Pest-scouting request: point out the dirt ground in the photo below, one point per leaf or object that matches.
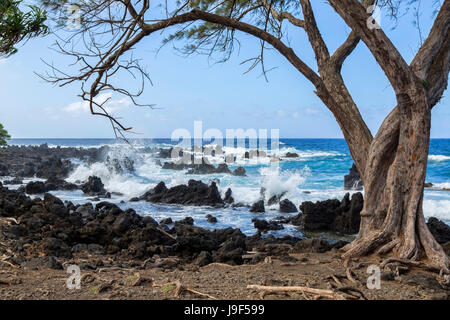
(214, 281)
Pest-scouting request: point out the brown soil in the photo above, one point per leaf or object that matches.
(217, 280)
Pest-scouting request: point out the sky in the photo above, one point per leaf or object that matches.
(186, 89)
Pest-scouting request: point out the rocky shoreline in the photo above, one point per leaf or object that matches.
(46, 232)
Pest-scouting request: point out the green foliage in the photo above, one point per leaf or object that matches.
(210, 38)
(3, 136)
(16, 25)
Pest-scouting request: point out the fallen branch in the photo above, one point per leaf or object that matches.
(166, 234)
(330, 294)
(220, 265)
(180, 289)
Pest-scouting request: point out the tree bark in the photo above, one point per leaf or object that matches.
(392, 220)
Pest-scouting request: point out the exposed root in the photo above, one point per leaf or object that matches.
(348, 271)
(114, 269)
(389, 246)
(180, 289)
(221, 265)
(416, 264)
(350, 290)
(141, 280)
(340, 293)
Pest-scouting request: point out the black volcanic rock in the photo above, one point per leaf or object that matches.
(239, 171)
(35, 187)
(291, 155)
(42, 161)
(331, 215)
(439, 229)
(311, 246)
(195, 193)
(54, 183)
(94, 187)
(352, 181)
(258, 207)
(263, 225)
(228, 198)
(286, 206)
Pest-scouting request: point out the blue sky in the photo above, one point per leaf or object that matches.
(186, 89)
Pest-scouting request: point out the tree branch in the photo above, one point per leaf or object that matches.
(432, 61)
(314, 36)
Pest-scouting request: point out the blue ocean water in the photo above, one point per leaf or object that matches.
(317, 174)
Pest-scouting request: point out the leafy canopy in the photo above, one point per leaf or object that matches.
(3, 136)
(16, 25)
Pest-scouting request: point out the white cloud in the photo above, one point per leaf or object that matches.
(281, 113)
(111, 106)
(311, 111)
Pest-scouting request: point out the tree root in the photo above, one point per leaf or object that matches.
(350, 290)
(329, 294)
(348, 271)
(180, 289)
(141, 280)
(339, 293)
(410, 263)
(221, 265)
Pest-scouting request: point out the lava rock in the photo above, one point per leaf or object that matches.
(291, 155)
(331, 215)
(258, 207)
(94, 187)
(352, 181)
(263, 225)
(35, 187)
(311, 246)
(228, 198)
(49, 262)
(425, 280)
(439, 229)
(240, 172)
(286, 206)
(195, 193)
(203, 259)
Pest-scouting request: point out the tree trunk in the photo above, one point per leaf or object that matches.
(392, 220)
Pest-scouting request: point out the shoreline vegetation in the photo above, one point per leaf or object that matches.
(123, 255)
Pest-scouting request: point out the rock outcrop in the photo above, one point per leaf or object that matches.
(331, 215)
(352, 181)
(195, 193)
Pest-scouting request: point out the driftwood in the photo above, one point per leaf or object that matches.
(166, 234)
(329, 294)
(179, 289)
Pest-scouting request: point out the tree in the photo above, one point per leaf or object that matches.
(392, 164)
(16, 25)
(3, 136)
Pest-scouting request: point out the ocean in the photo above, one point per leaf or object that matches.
(317, 174)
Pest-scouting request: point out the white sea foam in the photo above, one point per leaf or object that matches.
(442, 185)
(437, 208)
(438, 157)
(277, 182)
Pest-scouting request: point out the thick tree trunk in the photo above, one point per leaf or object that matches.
(392, 220)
